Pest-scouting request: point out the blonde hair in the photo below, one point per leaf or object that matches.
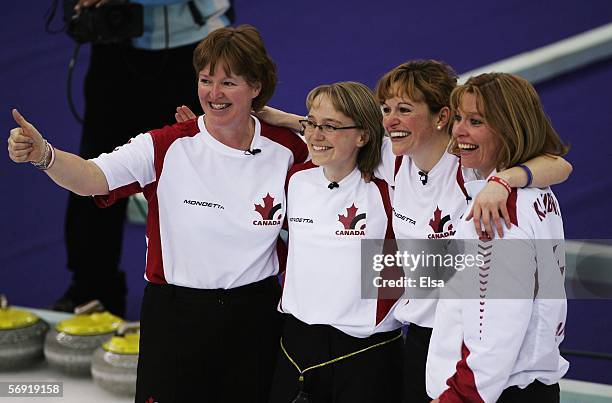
(241, 51)
(511, 108)
(357, 102)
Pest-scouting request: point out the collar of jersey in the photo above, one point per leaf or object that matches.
(221, 148)
(346, 182)
(446, 158)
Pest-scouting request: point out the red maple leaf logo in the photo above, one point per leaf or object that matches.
(437, 222)
(268, 208)
(347, 219)
(351, 218)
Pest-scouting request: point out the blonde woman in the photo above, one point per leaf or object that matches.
(498, 327)
(337, 346)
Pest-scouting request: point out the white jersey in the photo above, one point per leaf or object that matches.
(424, 207)
(215, 212)
(507, 330)
(323, 279)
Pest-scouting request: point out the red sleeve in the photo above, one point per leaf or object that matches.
(288, 139)
(462, 385)
(162, 139)
(111, 198)
(387, 296)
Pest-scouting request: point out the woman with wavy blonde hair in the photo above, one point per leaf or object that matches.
(497, 339)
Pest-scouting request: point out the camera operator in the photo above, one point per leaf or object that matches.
(130, 87)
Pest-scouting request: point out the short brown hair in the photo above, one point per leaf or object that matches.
(357, 102)
(241, 51)
(511, 107)
(429, 81)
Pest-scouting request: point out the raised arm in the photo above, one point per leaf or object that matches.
(26, 144)
(276, 117)
(490, 204)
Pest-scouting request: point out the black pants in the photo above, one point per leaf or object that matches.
(213, 346)
(415, 358)
(370, 377)
(536, 392)
(127, 91)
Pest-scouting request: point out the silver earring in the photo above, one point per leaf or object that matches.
(439, 127)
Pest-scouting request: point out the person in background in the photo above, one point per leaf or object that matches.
(216, 197)
(130, 88)
(498, 340)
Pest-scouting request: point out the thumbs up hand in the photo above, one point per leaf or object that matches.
(25, 143)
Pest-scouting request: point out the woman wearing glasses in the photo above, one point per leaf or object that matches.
(337, 346)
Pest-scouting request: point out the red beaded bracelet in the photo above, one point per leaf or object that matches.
(502, 182)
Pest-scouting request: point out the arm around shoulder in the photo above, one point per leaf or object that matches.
(546, 170)
(277, 117)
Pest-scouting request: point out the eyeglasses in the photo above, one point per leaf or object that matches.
(310, 126)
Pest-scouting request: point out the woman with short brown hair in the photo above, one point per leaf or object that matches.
(212, 258)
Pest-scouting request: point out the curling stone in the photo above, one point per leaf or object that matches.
(21, 337)
(70, 345)
(113, 366)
